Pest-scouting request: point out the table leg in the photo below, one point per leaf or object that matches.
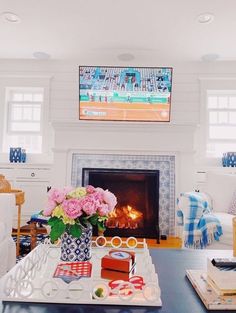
(33, 235)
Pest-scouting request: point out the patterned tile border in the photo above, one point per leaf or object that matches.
(164, 163)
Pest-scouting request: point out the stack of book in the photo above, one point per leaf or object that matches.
(118, 264)
(221, 275)
(217, 286)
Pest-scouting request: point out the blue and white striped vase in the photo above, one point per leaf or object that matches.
(77, 249)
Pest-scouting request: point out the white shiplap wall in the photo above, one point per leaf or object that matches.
(71, 134)
(64, 87)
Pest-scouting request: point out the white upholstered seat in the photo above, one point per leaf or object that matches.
(7, 245)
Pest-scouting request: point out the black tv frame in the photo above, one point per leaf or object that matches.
(123, 67)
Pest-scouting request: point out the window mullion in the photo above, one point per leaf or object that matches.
(23, 106)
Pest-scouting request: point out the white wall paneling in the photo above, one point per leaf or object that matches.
(70, 134)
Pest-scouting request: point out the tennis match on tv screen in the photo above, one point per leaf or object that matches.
(125, 93)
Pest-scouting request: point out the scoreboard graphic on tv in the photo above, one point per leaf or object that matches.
(125, 93)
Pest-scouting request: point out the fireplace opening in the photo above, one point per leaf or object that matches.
(137, 191)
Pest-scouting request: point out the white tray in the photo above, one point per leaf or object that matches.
(31, 280)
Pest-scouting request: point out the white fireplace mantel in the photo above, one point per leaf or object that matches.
(120, 138)
(122, 126)
(124, 136)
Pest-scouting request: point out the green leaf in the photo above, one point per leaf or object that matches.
(94, 219)
(75, 230)
(53, 220)
(84, 220)
(102, 218)
(101, 226)
(57, 229)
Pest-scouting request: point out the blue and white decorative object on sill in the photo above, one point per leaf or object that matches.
(229, 159)
(23, 155)
(15, 154)
(77, 249)
(224, 160)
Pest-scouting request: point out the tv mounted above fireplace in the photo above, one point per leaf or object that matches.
(109, 93)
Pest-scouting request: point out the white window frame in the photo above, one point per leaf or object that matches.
(210, 85)
(23, 82)
(10, 102)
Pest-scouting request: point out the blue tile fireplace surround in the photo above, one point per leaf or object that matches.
(165, 164)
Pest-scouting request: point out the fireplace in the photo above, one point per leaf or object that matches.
(165, 164)
(137, 191)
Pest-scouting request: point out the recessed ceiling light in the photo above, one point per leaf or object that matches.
(40, 55)
(11, 17)
(211, 57)
(125, 57)
(205, 18)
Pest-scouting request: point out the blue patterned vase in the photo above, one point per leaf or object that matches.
(77, 249)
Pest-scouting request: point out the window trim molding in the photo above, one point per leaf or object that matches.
(24, 81)
(206, 84)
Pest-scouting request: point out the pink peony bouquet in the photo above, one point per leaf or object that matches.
(72, 209)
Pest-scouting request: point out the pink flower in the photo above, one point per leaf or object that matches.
(72, 208)
(56, 195)
(99, 194)
(91, 200)
(103, 210)
(50, 207)
(89, 204)
(110, 199)
(90, 189)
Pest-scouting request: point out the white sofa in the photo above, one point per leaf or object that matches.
(7, 245)
(219, 190)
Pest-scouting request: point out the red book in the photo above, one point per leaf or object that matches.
(119, 260)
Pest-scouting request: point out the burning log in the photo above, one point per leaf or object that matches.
(124, 217)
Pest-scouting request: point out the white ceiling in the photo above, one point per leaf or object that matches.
(154, 31)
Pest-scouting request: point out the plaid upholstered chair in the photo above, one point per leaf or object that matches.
(219, 192)
(200, 227)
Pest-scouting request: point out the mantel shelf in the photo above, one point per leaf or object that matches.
(122, 126)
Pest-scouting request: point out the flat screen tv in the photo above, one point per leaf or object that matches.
(108, 93)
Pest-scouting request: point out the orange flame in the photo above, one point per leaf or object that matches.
(124, 217)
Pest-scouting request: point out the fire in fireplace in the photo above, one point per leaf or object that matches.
(125, 217)
(137, 191)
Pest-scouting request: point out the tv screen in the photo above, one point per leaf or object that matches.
(125, 93)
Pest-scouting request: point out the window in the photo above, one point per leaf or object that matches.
(23, 124)
(25, 116)
(220, 122)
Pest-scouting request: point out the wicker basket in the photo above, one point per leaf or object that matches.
(20, 196)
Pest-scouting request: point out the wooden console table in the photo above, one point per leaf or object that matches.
(20, 199)
(34, 231)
